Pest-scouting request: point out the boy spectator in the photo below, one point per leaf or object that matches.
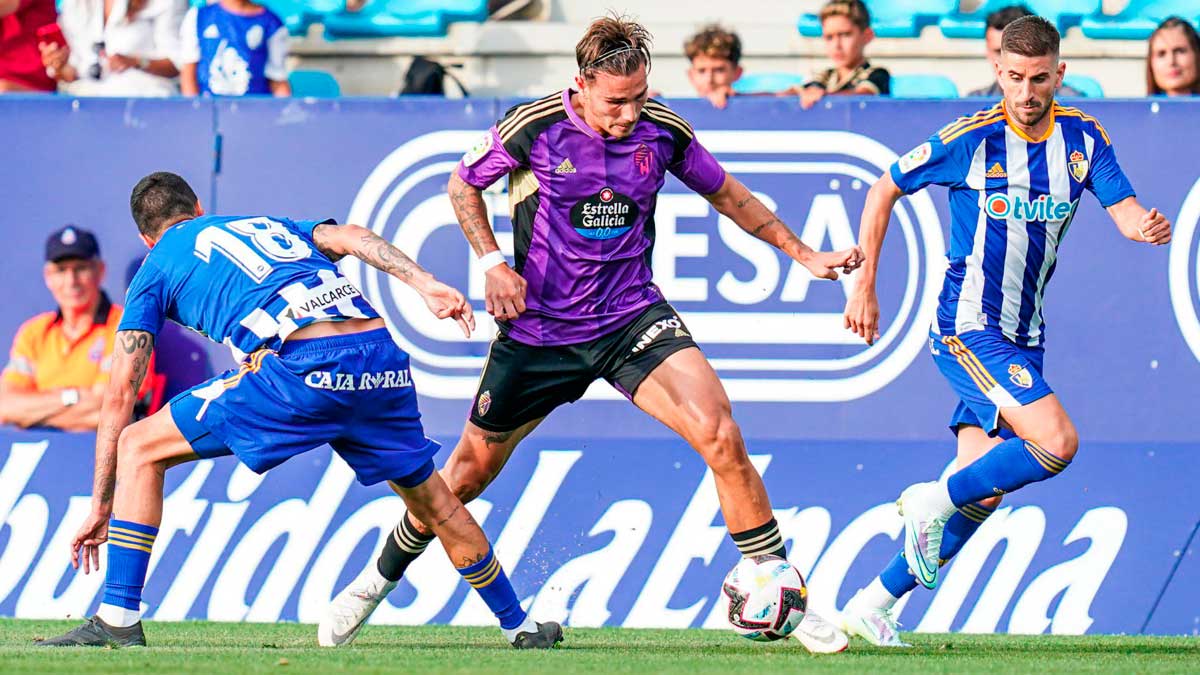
(846, 31)
(60, 360)
(21, 67)
(996, 22)
(233, 48)
(714, 54)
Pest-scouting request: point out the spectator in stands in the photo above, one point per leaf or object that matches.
(59, 360)
(996, 22)
(1173, 60)
(714, 54)
(233, 48)
(20, 62)
(846, 30)
(117, 48)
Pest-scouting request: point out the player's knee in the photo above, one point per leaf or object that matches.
(134, 450)
(467, 477)
(720, 442)
(1062, 441)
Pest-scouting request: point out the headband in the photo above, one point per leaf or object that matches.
(609, 54)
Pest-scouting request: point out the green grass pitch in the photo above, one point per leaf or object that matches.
(198, 647)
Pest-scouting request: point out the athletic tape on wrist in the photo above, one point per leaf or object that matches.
(490, 260)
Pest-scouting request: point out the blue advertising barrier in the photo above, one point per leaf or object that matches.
(603, 517)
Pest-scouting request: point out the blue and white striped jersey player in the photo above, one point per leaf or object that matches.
(1016, 173)
(317, 366)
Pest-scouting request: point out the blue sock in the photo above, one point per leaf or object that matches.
(129, 547)
(1013, 464)
(897, 578)
(488, 579)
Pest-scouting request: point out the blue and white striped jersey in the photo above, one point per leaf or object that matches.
(1012, 199)
(246, 282)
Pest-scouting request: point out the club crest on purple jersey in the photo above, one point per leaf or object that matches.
(642, 158)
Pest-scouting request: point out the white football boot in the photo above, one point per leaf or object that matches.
(925, 511)
(350, 609)
(819, 636)
(874, 624)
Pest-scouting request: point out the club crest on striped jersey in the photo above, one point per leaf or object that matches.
(1019, 375)
(1078, 166)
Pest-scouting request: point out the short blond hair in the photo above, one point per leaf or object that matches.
(855, 10)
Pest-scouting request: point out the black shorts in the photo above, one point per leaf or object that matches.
(522, 383)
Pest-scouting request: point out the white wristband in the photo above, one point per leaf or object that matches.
(490, 260)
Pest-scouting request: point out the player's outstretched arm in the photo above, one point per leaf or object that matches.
(862, 307)
(444, 301)
(1138, 224)
(130, 361)
(736, 202)
(504, 289)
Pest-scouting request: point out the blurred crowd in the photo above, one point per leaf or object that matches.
(239, 47)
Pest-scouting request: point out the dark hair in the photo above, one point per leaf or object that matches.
(999, 19)
(159, 197)
(855, 10)
(714, 41)
(1152, 88)
(1030, 36)
(613, 44)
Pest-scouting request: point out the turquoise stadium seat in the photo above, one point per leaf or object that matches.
(404, 18)
(757, 83)
(1139, 19)
(891, 18)
(1063, 13)
(923, 86)
(313, 84)
(1086, 85)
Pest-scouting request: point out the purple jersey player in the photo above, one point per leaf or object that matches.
(585, 166)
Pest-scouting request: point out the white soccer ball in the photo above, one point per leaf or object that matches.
(767, 598)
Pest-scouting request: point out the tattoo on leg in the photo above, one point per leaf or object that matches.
(467, 560)
(450, 515)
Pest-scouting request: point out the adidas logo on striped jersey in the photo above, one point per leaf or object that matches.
(996, 171)
(566, 167)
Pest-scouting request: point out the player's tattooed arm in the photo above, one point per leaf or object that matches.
(471, 212)
(130, 361)
(736, 202)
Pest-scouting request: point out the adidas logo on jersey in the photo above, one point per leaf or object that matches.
(566, 167)
(996, 171)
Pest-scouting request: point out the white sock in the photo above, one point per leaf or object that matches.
(941, 499)
(118, 617)
(877, 595)
(529, 626)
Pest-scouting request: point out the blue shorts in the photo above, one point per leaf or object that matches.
(353, 392)
(988, 372)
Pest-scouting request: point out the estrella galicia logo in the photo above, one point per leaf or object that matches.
(605, 215)
(771, 331)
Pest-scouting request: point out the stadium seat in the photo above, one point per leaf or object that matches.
(923, 86)
(404, 18)
(1138, 20)
(1063, 13)
(1086, 85)
(757, 83)
(313, 84)
(891, 18)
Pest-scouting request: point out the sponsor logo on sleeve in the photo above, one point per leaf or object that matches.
(916, 157)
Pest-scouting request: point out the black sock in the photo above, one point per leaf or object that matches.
(762, 540)
(405, 545)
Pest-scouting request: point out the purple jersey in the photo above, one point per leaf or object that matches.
(582, 207)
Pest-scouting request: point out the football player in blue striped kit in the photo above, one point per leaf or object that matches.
(317, 366)
(1016, 172)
